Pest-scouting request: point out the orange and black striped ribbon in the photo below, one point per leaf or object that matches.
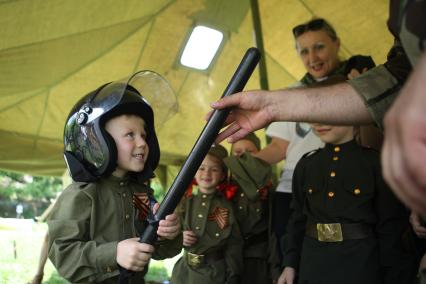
(141, 203)
(221, 216)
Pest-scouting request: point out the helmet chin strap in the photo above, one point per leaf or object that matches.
(76, 169)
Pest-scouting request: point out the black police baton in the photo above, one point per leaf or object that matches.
(197, 154)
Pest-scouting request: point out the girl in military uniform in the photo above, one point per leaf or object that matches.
(211, 237)
(346, 224)
(252, 202)
(111, 151)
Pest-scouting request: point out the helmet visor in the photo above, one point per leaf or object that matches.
(153, 87)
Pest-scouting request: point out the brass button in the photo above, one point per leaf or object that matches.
(127, 216)
(330, 194)
(335, 158)
(200, 215)
(337, 149)
(124, 195)
(241, 207)
(332, 174)
(357, 191)
(121, 183)
(217, 234)
(197, 228)
(257, 210)
(242, 194)
(310, 190)
(203, 204)
(204, 196)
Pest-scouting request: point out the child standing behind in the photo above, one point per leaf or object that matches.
(111, 151)
(211, 237)
(252, 203)
(346, 224)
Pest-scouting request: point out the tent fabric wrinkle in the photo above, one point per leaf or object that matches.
(53, 52)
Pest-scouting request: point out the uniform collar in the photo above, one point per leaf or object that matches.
(341, 148)
(116, 182)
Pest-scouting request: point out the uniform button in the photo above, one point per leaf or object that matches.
(242, 194)
(332, 174)
(330, 194)
(108, 269)
(257, 210)
(357, 191)
(197, 228)
(203, 204)
(204, 196)
(200, 215)
(335, 158)
(310, 190)
(127, 216)
(240, 207)
(217, 234)
(121, 183)
(124, 195)
(337, 149)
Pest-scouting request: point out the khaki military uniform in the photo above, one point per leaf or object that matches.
(86, 224)
(252, 204)
(216, 257)
(380, 87)
(346, 224)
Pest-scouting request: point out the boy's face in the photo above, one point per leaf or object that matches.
(128, 132)
(209, 174)
(242, 146)
(333, 134)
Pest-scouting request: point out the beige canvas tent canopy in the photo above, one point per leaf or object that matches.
(52, 52)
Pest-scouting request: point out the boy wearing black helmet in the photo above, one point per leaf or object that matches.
(111, 151)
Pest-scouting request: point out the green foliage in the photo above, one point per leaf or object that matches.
(14, 186)
(20, 256)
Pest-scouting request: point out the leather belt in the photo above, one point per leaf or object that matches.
(338, 232)
(198, 260)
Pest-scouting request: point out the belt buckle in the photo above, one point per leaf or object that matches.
(195, 260)
(330, 232)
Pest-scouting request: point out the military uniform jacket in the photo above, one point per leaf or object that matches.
(252, 203)
(86, 224)
(343, 184)
(380, 86)
(197, 217)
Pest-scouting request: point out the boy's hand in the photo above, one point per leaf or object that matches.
(168, 228)
(287, 276)
(133, 255)
(189, 238)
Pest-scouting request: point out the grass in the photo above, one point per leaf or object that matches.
(20, 244)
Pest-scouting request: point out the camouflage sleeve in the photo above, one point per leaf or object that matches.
(380, 86)
(75, 256)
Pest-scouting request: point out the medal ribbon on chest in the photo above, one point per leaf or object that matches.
(141, 203)
(220, 216)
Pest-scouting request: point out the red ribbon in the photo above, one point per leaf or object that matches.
(228, 189)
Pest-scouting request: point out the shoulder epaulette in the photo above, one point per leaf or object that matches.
(311, 153)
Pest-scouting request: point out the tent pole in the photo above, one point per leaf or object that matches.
(257, 25)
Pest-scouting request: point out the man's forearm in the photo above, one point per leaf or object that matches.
(336, 104)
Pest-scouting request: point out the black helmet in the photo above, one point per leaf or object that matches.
(90, 152)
